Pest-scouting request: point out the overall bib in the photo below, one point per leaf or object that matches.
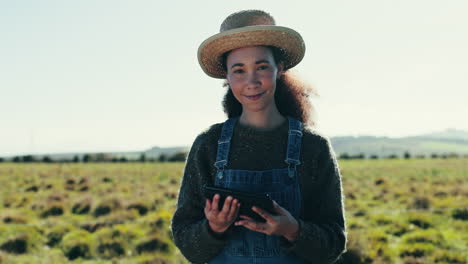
(282, 185)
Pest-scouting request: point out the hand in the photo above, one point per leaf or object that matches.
(283, 224)
(220, 221)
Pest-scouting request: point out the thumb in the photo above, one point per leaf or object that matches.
(280, 210)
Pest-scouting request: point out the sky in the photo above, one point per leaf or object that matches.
(108, 75)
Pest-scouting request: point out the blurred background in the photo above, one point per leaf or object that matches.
(101, 100)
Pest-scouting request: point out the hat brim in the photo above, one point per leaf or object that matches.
(212, 49)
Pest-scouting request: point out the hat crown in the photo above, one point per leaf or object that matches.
(247, 18)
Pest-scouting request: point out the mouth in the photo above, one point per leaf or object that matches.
(255, 97)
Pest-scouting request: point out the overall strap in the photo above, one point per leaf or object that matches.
(294, 145)
(224, 144)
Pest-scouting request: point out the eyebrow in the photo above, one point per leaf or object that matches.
(257, 62)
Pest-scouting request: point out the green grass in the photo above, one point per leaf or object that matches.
(401, 211)
(397, 211)
(88, 213)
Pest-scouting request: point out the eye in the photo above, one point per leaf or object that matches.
(238, 71)
(263, 67)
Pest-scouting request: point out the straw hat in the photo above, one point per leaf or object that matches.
(249, 28)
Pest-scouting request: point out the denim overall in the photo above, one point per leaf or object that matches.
(282, 185)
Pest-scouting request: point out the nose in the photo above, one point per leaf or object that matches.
(253, 81)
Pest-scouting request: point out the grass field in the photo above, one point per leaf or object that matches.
(398, 211)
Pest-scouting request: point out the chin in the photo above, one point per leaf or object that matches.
(256, 109)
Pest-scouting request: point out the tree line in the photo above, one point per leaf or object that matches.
(406, 155)
(182, 156)
(98, 157)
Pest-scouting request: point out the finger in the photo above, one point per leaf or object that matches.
(247, 217)
(240, 223)
(263, 214)
(279, 209)
(207, 210)
(252, 225)
(226, 206)
(215, 203)
(245, 221)
(234, 210)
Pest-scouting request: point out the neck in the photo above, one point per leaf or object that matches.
(262, 119)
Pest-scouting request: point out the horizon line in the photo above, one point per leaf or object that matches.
(44, 153)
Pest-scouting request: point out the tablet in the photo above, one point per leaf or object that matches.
(247, 200)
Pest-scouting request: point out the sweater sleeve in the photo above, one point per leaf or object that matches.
(322, 239)
(190, 229)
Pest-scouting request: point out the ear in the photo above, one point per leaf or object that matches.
(226, 84)
(281, 70)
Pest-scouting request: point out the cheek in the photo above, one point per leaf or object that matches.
(235, 86)
(269, 78)
(235, 89)
(270, 82)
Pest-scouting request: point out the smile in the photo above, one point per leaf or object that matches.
(254, 97)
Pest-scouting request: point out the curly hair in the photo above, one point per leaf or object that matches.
(292, 96)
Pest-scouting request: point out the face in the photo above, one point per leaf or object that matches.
(252, 74)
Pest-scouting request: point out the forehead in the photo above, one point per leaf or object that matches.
(252, 53)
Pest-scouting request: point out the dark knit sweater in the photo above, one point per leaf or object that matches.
(322, 236)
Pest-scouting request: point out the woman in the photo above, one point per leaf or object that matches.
(263, 147)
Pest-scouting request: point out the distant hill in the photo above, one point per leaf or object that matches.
(448, 141)
(155, 152)
(453, 134)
